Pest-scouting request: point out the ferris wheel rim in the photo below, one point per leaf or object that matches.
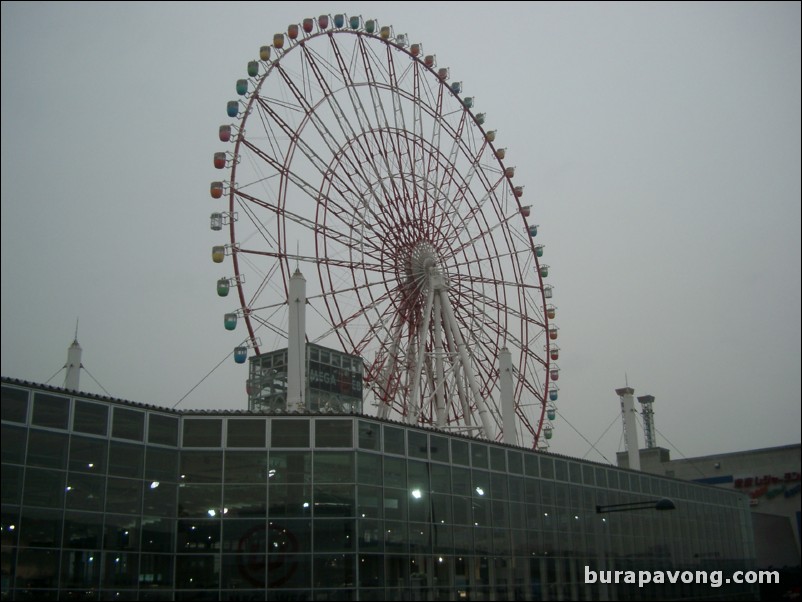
(283, 256)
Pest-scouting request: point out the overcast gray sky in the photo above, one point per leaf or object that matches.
(659, 143)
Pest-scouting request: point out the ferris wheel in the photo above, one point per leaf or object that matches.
(356, 159)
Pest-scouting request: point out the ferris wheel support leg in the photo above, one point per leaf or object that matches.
(414, 398)
(467, 417)
(487, 429)
(439, 383)
(384, 407)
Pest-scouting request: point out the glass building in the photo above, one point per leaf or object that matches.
(333, 381)
(110, 500)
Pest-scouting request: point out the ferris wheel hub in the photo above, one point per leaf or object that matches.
(423, 266)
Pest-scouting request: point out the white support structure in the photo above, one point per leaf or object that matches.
(73, 377)
(296, 343)
(440, 405)
(389, 370)
(507, 388)
(487, 430)
(630, 426)
(428, 357)
(417, 374)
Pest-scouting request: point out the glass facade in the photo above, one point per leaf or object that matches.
(111, 500)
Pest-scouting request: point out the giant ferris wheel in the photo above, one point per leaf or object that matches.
(356, 159)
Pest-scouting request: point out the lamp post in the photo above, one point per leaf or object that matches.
(658, 504)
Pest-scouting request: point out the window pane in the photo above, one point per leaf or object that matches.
(370, 503)
(163, 430)
(121, 532)
(498, 459)
(459, 452)
(418, 445)
(124, 496)
(83, 530)
(289, 433)
(395, 472)
(334, 467)
(155, 572)
(334, 433)
(88, 455)
(11, 489)
(44, 488)
(126, 460)
(86, 492)
(158, 535)
(289, 467)
(245, 536)
(51, 410)
(90, 418)
(334, 500)
(479, 455)
(441, 477)
(47, 449)
(40, 529)
(80, 569)
(37, 568)
(515, 462)
(369, 435)
(546, 467)
(161, 464)
(394, 440)
(245, 501)
(532, 465)
(14, 404)
(198, 536)
(245, 432)
(199, 432)
(291, 500)
(395, 504)
(13, 444)
(160, 499)
(438, 447)
(201, 467)
(369, 468)
(334, 535)
(122, 570)
(246, 467)
(199, 501)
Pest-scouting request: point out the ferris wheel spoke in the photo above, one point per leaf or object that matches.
(455, 202)
(398, 112)
(314, 260)
(331, 233)
(302, 184)
(448, 176)
(484, 280)
(471, 261)
(354, 161)
(362, 311)
(361, 114)
(360, 286)
(314, 158)
(258, 224)
(341, 116)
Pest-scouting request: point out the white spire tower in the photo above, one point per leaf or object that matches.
(73, 365)
(630, 426)
(296, 343)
